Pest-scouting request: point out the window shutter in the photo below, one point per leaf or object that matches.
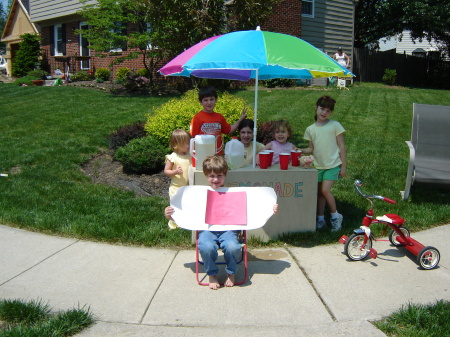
(63, 28)
(52, 40)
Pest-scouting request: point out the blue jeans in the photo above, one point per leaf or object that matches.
(208, 244)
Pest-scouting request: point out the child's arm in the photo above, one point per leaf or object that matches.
(268, 146)
(343, 154)
(236, 125)
(168, 211)
(170, 171)
(309, 149)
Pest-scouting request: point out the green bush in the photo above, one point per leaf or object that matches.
(141, 72)
(389, 77)
(177, 114)
(123, 73)
(102, 74)
(279, 82)
(39, 73)
(82, 75)
(27, 56)
(142, 156)
(27, 80)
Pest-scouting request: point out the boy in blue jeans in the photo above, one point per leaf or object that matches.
(215, 169)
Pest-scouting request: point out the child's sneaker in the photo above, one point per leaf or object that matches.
(336, 224)
(321, 224)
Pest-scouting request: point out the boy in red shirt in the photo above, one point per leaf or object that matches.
(208, 122)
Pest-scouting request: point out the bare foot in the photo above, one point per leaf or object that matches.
(230, 280)
(213, 282)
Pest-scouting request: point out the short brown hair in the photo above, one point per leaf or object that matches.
(178, 137)
(215, 164)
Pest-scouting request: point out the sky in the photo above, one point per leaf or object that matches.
(4, 3)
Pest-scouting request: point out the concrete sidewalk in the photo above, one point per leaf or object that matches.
(152, 292)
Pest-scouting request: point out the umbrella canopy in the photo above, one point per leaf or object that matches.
(254, 54)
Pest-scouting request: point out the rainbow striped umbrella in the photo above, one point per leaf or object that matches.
(254, 54)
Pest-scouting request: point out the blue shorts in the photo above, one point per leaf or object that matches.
(329, 174)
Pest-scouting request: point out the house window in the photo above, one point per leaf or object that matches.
(84, 48)
(59, 40)
(308, 8)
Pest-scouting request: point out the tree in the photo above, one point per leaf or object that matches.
(158, 28)
(248, 14)
(3, 17)
(426, 19)
(27, 56)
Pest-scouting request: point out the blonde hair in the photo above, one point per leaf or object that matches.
(177, 138)
(283, 125)
(215, 164)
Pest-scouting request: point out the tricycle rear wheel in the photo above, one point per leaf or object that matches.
(353, 247)
(428, 257)
(393, 234)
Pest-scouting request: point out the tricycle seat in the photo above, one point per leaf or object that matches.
(391, 218)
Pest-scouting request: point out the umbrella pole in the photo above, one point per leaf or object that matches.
(255, 119)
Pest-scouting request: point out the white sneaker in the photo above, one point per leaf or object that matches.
(321, 224)
(336, 224)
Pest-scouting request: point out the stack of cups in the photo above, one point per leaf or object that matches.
(295, 157)
(284, 160)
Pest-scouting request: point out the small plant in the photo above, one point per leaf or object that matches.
(141, 72)
(138, 84)
(82, 75)
(122, 136)
(102, 74)
(264, 132)
(25, 81)
(123, 73)
(279, 82)
(389, 77)
(39, 73)
(177, 114)
(142, 156)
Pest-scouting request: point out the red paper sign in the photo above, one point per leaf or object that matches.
(226, 208)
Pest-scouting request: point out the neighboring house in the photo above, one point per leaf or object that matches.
(324, 23)
(17, 24)
(405, 44)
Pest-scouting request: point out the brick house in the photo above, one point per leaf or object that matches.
(320, 22)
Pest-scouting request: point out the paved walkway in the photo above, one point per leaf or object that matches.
(152, 292)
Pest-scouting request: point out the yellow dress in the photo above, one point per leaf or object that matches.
(178, 180)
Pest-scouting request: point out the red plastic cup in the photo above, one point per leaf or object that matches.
(271, 156)
(295, 157)
(264, 158)
(284, 160)
(193, 160)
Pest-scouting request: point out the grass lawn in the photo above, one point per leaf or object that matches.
(47, 133)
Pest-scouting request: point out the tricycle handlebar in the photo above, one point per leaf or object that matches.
(358, 183)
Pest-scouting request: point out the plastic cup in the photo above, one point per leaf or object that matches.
(271, 156)
(284, 160)
(295, 157)
(264, 158)
(193, 159)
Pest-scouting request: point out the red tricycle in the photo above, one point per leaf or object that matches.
(359, 244)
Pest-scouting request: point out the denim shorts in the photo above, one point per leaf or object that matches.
(329, 174)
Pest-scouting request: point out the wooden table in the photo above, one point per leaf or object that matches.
(296, 190)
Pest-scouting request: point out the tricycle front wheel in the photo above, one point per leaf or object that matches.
(428, 257)
(393, 234)
(354, 247)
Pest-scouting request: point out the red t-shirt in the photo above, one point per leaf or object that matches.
(204, 123)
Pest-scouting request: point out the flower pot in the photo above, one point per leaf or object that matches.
(38, 82)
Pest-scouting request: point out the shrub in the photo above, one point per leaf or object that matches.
(138, 84)
(142, 156)
(39, 73)
(27, 56)
(141, 72)
(123, 73)
(389, 77)
(123, 135)
(102, 74)
(82, 75)
(27, 80)
(264, 133)
(279, 82)
(177, 114)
